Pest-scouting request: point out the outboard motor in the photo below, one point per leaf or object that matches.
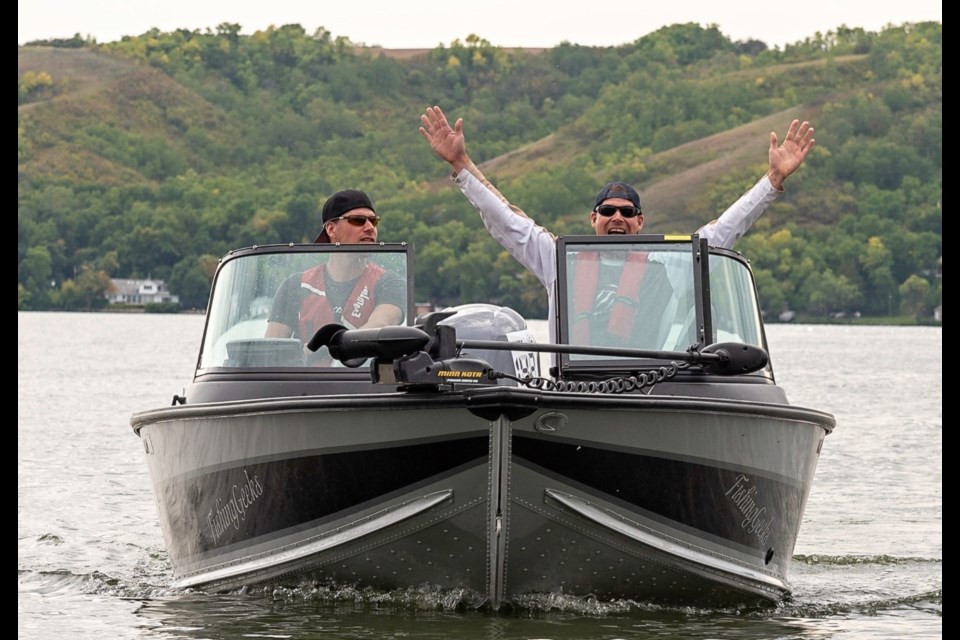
(490, 322)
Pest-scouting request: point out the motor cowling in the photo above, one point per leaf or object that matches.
(428, 355)
(490, 322)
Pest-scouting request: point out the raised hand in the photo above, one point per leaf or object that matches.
(446, 141)
(787, 157)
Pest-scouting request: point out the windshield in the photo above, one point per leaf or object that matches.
(642, 294)
(267, 302)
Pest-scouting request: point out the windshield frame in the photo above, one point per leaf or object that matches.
(229, 305)
(687, 267)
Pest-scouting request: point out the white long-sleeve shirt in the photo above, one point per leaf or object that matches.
(535, 248)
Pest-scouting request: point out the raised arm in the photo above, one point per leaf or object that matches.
(531, 245)
(787, 157)
(784, 159)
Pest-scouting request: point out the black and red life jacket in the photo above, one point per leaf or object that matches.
(315, 309)
(626, 300)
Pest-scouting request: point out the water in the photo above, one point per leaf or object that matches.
(91, 562)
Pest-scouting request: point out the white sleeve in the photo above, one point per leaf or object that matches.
(530, 244)
(737, 220)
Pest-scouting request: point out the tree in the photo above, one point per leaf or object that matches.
(35, 273)
(915, 297)
(877, 264)
(87, 290)
(190, 280)
(828, 293)
(769, 292)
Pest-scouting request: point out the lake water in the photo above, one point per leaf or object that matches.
(91, 562)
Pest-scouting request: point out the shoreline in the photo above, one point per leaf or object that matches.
(893, 321)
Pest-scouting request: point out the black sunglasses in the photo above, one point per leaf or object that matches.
(608, 210)
(359, 220)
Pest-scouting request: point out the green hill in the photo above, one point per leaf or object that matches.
(157, 154)
(97, 108)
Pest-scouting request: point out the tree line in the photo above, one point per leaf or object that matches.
(214, 140)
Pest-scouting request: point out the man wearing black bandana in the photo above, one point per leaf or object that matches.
(347, 290)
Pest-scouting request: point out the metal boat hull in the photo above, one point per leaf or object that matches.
(495, 490)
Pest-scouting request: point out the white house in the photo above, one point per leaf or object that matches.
(139, 292)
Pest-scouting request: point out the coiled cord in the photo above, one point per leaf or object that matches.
(623, 384)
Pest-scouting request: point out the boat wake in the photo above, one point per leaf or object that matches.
(826, 560)
(67, 583)
(427, 598)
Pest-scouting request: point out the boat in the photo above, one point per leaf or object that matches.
(661, 464)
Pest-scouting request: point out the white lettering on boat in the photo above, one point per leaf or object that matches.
(361, 300)
(743, 497)
(232, 511)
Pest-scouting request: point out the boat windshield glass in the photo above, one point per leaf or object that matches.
(267, 302)
(642, 292)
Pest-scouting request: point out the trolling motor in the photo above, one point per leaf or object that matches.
(428, 355)
(424, 356)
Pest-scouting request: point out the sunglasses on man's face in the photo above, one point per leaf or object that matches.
(358, 220)
(609, 210)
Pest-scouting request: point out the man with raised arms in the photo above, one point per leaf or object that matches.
(616, 209)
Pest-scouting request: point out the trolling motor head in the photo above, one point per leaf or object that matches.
(734, 358)
(353, 346)
(421, 357)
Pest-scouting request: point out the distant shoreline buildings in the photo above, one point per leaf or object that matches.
(140, 292)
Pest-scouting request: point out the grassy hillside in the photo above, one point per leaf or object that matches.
(100, 104)
(92, 86)
(158, 153)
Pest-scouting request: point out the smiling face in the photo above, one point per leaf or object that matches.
(344, 231)
(615, 224)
